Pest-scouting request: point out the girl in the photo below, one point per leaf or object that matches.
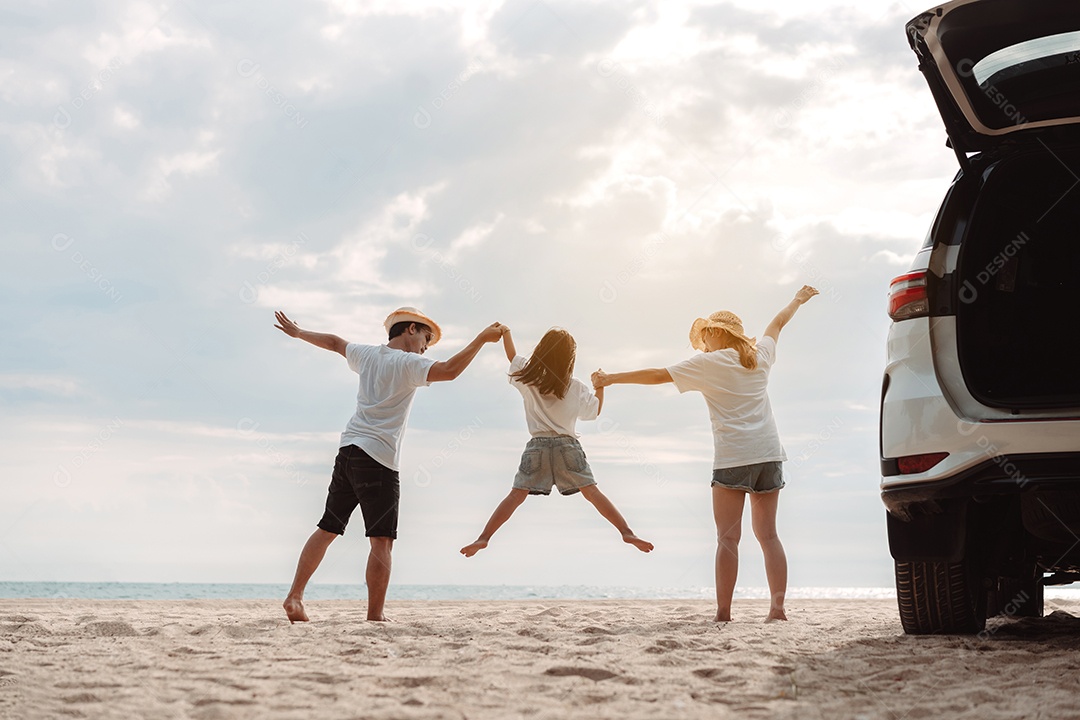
(732, 373)
(554, 400)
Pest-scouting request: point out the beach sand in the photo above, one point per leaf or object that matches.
(517, 659)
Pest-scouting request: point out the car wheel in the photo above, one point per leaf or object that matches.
(940, 597)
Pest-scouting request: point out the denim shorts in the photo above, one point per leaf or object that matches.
(555, 460)
(756, 478)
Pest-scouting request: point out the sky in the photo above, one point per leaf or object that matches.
(171, 173)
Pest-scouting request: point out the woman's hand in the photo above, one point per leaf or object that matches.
(600, 379)
(805, 293)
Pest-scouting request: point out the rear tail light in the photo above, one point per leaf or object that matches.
(919, 463)
(907, 296)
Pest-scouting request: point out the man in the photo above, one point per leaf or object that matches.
(366, 468)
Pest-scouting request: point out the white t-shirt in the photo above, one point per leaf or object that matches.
(388, 381)
(744, 430)
(547, 414)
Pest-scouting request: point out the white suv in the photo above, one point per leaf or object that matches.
(980, 404)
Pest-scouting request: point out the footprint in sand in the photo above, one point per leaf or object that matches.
(19, 618)
(550, 612)
(110, 628)
(595, 640)
(412, 682)
(80, 698)
(184, 650)
(594, 674)
(535, 634)
(714, 674)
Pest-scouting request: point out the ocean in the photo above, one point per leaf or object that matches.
(277, 591)
(243, 591)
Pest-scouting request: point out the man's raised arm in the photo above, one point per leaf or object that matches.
(324, 340)
(450, 369)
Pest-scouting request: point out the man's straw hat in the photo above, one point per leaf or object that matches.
(723, 319)
(411, 314)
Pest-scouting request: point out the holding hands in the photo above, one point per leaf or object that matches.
(493, 332)
(600, 379)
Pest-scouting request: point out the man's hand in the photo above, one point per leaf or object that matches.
(805, 293)
(492, 333)
(325, 341)
(286, 325)
(600, 379)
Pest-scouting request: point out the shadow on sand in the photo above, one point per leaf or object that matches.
(1016, 668)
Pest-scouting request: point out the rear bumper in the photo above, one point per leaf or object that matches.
(1001, 475)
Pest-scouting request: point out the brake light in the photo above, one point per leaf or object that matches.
(919, 463)
(907, 296)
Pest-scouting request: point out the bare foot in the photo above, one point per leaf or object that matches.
(473, 548)
(776, 614)
(642, 545)
(722, 616)
(294, 608)
(381, 618)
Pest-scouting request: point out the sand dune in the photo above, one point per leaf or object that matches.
(539, 659)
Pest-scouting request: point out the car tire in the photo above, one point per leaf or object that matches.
(940, 597)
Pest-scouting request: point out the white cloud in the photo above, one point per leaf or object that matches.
(51, 384)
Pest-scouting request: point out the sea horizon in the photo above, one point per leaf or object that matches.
(326, 591)
(82, 590)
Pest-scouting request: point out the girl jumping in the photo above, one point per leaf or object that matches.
(554, 400)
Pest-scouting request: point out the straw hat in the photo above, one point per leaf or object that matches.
(411, 314)
(723, 319)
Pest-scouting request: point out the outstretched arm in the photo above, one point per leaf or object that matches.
(651, 376)
(508, 344)
(450, 369)
(324, 340)
(782, 317)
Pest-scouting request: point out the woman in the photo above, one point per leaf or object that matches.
(732, 373)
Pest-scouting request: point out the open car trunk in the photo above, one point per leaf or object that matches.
(1001, 70)
(1018, 282)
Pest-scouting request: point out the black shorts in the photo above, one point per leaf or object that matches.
(361, 480)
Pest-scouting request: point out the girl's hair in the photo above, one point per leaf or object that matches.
(747, 352)
(551, 366)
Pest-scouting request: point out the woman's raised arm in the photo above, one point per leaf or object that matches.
(805, 293)
(649, 376)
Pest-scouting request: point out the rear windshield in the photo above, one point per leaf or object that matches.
(1027, 57)
(1029, 82)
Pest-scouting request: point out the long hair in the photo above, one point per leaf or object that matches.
(551, 366)
(747, 352)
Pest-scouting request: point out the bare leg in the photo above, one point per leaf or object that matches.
(727, 512)
(310, 557)
(613, 516)
(763, 516)
(502, 513)
(378, 576)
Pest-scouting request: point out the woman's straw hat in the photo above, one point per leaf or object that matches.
(411, 314)
(723, 319)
